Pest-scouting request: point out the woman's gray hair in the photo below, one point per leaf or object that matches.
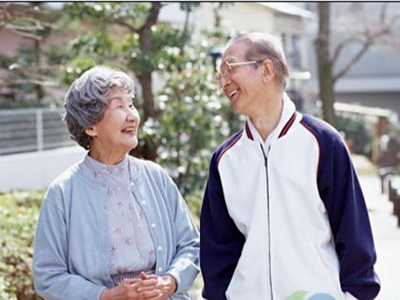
(265, 46)
(87, 99)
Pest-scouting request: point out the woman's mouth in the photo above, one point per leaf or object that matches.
(129, 131)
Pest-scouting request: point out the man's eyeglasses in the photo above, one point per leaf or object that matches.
(227, 71)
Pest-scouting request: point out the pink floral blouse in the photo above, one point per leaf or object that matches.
(131, 247)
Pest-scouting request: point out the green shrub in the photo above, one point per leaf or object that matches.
(19, 213)
(194, 205)
(356, 130)
(18, 218)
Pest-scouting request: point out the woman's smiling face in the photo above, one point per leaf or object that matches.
(118, 128)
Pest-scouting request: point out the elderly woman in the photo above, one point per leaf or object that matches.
(112, 226)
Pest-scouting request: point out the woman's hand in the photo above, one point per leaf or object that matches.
(166, 286)
(133, 289)
(147, 287)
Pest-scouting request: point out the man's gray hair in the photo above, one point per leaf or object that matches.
(87, 99)
(262, 46)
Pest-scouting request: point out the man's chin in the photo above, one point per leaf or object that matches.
(237, 108)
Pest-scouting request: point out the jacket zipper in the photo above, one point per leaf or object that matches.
(269, 223)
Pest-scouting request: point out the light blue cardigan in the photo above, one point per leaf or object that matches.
(71, 254)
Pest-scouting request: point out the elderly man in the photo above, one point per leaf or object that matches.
(283, 215)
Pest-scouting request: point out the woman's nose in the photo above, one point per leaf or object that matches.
(132, 115)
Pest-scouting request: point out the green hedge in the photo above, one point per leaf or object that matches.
(19, 213)
(356, 129)
(18, 217)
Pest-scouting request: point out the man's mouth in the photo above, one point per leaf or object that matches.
(233, 93)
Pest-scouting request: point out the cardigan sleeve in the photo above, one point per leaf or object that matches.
(51, 277)
(185, 264)
(221, 242)
(340, 190)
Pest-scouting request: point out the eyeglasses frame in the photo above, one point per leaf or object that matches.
(225, 75)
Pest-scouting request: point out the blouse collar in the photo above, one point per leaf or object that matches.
(112, 176)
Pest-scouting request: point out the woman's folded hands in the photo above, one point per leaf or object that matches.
(147, 287)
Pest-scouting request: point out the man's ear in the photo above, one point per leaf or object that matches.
(267, 68)
(91, 131)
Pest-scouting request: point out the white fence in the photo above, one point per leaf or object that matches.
(26, 130)
(35, 170)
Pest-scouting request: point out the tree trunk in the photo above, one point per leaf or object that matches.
(217, 17)
(145, 150)
(325, 68)
(149, 107)
(146, 46)
(38, 88)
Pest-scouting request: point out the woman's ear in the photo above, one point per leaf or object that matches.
(91, 131)
(267, 68)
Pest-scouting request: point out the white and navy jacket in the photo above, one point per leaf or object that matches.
(292, 223)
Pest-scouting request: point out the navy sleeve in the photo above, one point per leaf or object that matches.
(221, 242)
(340, 190)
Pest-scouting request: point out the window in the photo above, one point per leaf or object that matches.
(284, 42)
(296, 51)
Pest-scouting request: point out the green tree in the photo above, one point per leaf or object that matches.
(185, 120)
(131, 34)
(28, 74)
(193, 122)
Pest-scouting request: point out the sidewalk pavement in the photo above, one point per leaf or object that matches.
(386, 237)
(384, 228)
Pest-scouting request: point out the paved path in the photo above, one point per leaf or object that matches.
(386, 236)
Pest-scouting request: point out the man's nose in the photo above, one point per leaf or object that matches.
(225, 81)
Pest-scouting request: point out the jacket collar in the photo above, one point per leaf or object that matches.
(285, 123)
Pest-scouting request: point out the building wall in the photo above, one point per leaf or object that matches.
(262, 18)
(238, 16)
(289, 26)
(10, 43)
